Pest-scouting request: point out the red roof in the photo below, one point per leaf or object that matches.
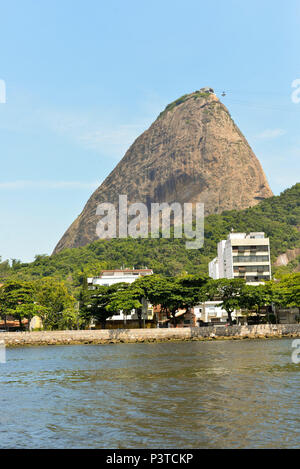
(12, 323)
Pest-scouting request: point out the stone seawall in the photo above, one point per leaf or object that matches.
(106, 336)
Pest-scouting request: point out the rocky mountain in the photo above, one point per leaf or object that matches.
(193, 152)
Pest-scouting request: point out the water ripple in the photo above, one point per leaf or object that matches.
(175, 395)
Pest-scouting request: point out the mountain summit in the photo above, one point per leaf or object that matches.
(193, 152)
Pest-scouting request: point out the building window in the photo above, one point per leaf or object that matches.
(238, 259)
(251, 268)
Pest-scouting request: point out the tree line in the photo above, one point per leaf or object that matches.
(52, 301)
(186, 292)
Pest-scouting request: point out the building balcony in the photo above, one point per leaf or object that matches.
(250, 259)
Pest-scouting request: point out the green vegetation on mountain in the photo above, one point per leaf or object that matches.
(182, 99)
(278, 217)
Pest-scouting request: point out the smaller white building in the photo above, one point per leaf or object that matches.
(111, 277)
(212, 312)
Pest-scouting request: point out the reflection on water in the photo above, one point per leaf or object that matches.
(231, 394)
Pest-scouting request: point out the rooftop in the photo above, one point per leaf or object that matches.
(126, 270)
(122, 272)
(252, 235)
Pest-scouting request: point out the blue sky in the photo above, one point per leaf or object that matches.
(85, 78)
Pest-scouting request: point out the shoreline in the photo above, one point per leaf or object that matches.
(115, 336)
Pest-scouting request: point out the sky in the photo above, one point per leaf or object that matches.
(84, 78)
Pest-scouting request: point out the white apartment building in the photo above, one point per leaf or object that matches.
(244, 256)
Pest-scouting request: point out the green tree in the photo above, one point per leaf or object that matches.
(286, 292)
(137, 292)
(157, 289)
(192, 289)
(253, 298)
(94, 302)
(228, 291)
(16, 299)
(69, 320)
(27, 311)
(124, 299)
(3, 308)
(54, 298)
(173, 293)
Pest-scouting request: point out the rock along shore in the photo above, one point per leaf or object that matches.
(108, 336)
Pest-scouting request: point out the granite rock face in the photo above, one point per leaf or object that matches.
(193, 152)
